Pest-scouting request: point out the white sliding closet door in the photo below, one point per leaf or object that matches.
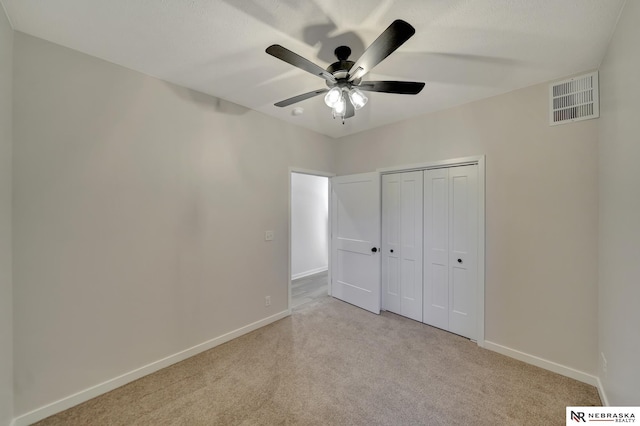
(402, 200)
(436, 248)
(391, 242)
(451, 249)
(463, 250)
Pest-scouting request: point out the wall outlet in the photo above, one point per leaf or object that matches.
(267, 301)
(268, 235)
(604, 363)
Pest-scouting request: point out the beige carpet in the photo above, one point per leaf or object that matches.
(333, 364)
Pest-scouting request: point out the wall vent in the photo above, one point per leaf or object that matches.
(575, 99)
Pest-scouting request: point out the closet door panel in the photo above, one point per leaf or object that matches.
(436, 248)
(411, 244)
(391, 242)
(463, 216)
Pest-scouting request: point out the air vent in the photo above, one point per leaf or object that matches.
(574, 99)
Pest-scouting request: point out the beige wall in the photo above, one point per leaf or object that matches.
(139, 217)
(6, 331)
(619, 170)
(541, 214)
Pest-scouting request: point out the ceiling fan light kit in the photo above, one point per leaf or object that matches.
(336, 100)
(357, 98)
(344, 77)
(340, 108)
(333, 96)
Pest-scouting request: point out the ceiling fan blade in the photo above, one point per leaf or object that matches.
(302, 97)
(350, 111)
(393, 37)
(399, 87)
(296, 60)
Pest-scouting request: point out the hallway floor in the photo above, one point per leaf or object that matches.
(309, 288)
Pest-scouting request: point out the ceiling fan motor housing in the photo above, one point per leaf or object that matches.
(340, 69)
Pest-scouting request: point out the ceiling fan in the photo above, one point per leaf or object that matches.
(344, 77)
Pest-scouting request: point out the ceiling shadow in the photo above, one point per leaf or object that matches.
(449, 68)
(322, 33)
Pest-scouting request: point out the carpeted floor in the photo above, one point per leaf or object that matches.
(333, 364)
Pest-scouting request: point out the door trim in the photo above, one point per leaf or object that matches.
(328, 175)
(462, 161)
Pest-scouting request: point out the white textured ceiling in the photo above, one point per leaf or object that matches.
(463, 49)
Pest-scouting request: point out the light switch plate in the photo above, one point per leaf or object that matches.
(268, 235)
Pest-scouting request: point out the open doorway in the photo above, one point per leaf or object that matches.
(309, 244)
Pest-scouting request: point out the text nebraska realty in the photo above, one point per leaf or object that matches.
(612, 417)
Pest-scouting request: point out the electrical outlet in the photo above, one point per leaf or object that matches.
(267, 301)
(268, 235)
(604, 363)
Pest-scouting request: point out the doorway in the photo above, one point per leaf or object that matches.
(309, 237)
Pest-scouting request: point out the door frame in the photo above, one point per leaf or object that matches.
(462, 161)
(312, 173)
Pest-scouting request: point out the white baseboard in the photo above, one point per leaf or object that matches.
(602, 393)
(99, 389)
(307, 273)
(581, 376)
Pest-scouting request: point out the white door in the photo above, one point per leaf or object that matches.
(451, 249)
(436, 248)
(355, 240)
(391, 242)
(463, 250)
(402, 243)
